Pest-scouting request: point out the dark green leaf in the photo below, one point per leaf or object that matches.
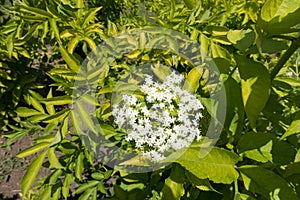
(256, 86)
(266, 183)
(264, 147)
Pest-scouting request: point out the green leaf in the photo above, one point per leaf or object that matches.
(264, 147)
(204, 45)
(53, 177)
(292, 169)
(256, 86)
(290, 81)
(87, 193)
(30, 33)
(46, 195)
(297, 157)
(138, 160)
(72, 62)
(45, 138)
(246, 197)
(36, 104)
(177, 173)
(201, 184)
(172, 190)
(54, 162)
(66, 185)
(60, 100)
(33, 149)
(219, 52)
(86, 186)
(241, 39)
(35, 11)
(294, 128)
(31, 173)
(216, 30)
(161, 71)
(10, 44)
(90, 15)
(278, 16)
(64, 128)
(190, 3)
(217, 165)
(49, 107)
(98, 176)
(85, 116)
(234, 121)
(108, 131)
(76, 122)
(26, 112)
(192, 80)
(272, 46)
(79, 166)
(90, 42)
(266, 183)
(73, 43)
(57, 116)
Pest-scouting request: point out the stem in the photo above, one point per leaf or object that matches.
(285, 57)
(236, 189)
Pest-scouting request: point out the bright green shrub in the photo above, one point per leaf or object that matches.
(254, 45)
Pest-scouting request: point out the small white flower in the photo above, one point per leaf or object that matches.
(157, 123)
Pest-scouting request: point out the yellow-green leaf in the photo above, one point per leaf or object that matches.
(33, 149)
(294, 128)
(57, 116)
(60, 100)
(85, 116)
(172, 190)
(26, 112)
(31, 173)
(49, 107)
(192, 80)
(36, 104)
(54, 162)
(217, 165)
(79, 167)
(66, 185)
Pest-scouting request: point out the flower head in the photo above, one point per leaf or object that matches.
(166, 119)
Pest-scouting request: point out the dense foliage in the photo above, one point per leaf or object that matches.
(254, 44)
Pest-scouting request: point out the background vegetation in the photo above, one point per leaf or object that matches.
(253, 43)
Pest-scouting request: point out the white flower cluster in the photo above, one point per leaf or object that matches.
(166, 119)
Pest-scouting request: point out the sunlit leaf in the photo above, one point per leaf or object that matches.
(26, 112)
(192, 80)
(217, 165)
(53, 159)
(31, 173)
(172, 190)
(279, 16)
(33, 149)
(294, 128)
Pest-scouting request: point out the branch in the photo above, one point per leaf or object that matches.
(285, 57)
